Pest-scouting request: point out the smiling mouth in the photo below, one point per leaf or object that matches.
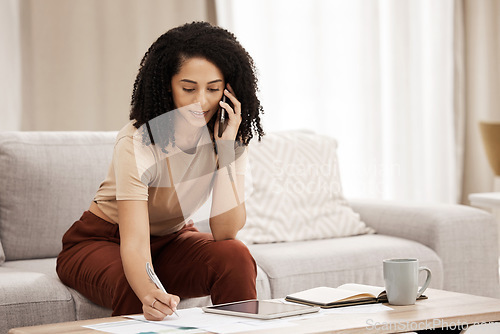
(198, 113)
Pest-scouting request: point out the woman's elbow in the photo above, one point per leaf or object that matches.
(225, 228)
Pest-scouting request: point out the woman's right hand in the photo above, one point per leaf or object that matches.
(156, 305)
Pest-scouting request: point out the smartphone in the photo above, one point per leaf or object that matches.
(222, 116)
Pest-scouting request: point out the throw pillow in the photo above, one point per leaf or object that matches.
(296, 191)
(48, 179)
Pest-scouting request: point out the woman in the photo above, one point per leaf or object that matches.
(166, 162)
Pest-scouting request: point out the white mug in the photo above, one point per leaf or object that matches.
(401, 281)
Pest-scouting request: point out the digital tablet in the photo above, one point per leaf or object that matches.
(260, 309)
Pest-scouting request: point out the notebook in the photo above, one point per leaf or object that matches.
(344, 295)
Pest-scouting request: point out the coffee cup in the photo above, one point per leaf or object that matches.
(401, 281)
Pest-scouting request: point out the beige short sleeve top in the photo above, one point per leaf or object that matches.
(175, 184)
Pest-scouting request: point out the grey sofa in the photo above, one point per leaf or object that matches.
(47, 179)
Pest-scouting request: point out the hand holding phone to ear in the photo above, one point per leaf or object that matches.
(222, 116)
(229, 118)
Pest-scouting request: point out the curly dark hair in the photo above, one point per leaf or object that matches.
(152, 95)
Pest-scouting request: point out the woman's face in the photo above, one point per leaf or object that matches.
(197, 90)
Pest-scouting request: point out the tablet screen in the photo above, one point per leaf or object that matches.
(260, 308)
(251, 306)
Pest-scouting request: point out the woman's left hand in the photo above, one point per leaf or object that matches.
(234, 115)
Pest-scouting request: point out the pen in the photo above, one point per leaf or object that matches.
(157, 282)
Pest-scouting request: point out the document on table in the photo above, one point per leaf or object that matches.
(217, 323)
(133, 326)
(194, 320)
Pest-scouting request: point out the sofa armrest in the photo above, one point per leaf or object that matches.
(464, 238)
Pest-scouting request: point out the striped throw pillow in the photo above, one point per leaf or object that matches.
(296, 191)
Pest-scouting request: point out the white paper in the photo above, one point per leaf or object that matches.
(247, 326)
(194, 320)
(218, 323)
(135, 327)
(192, 317)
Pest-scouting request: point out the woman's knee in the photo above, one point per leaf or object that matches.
(235, 255)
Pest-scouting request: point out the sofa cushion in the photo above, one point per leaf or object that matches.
(29, 298)
(48, 179)
(85, 309)
(41, 266)
(296, 191)
(296, 266)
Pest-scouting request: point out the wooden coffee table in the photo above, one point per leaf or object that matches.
(443, 309)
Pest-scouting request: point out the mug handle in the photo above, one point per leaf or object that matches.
(427, 280)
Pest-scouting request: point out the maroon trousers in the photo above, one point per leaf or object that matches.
(189, 264)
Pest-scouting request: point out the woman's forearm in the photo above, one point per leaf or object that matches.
(228, 213)
(135, 252)
(134, 245)
(134, 265)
